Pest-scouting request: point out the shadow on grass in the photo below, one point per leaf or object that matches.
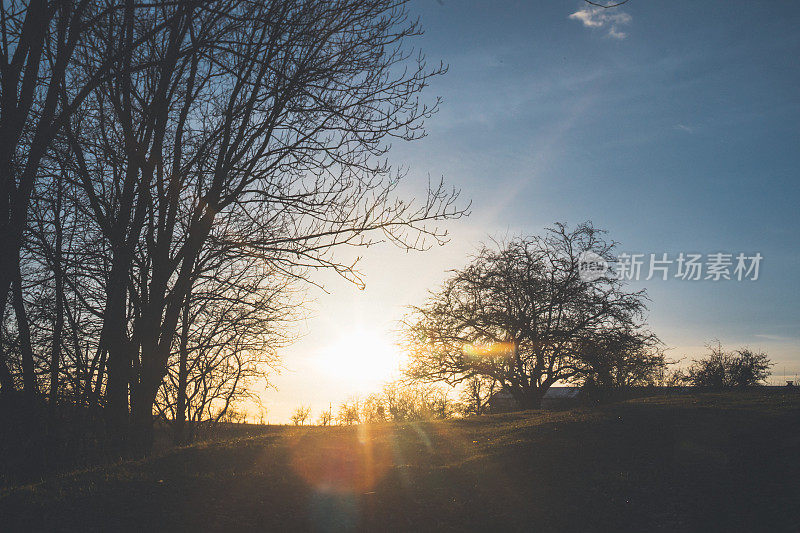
(701, 462)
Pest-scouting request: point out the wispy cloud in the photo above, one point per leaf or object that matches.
(684, 127)
(779, 338)
(611, 20)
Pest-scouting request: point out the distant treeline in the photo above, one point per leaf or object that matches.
(541, 310)
(409, 401)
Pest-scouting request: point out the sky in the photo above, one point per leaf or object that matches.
(673, 125)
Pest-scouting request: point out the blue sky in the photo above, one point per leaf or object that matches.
(673, 125)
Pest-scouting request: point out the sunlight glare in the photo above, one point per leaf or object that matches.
(362, 357)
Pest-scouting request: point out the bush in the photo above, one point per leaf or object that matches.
(721, 369)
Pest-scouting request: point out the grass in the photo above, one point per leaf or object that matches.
(705, 461)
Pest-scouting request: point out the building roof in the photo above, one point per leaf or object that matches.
(552, 393)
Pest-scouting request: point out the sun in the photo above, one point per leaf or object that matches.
(360, 357)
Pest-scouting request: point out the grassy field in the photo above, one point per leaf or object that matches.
(673, 463)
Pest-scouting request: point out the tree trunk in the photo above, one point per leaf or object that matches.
(145, 396)
(180, 409)
(530, 398)
(115, 338)
(6, 379)
(30, 386)
(58, 326)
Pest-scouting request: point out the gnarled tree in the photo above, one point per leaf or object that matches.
(522, 315)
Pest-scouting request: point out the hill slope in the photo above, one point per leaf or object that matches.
(703, 461)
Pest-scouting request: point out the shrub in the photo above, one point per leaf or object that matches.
(721, 369)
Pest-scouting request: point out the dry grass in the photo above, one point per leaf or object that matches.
(690, 462)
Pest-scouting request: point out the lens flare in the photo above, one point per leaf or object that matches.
(353, 463)
(491, 350)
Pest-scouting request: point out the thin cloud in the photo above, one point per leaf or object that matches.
(779, 338)
(595, 17)
(613, 32)
(684, 127)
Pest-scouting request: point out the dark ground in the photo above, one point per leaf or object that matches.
(699, 462)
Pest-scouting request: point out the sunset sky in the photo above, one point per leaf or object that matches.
(675, 126)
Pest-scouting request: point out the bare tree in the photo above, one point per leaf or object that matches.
(373, 410)
(477, 392)
(521, 315)
(39, 40)
(272, 115)
(300, 415)
(622, 358)
(408, 401)
(171, 172)
(349, 412)
(235, 319)
(47, 71)
(723, 369)
(325, 418)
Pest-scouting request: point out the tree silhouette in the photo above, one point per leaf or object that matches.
(300, 415)
(521, 315)
(721, 369)
(152, 151)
